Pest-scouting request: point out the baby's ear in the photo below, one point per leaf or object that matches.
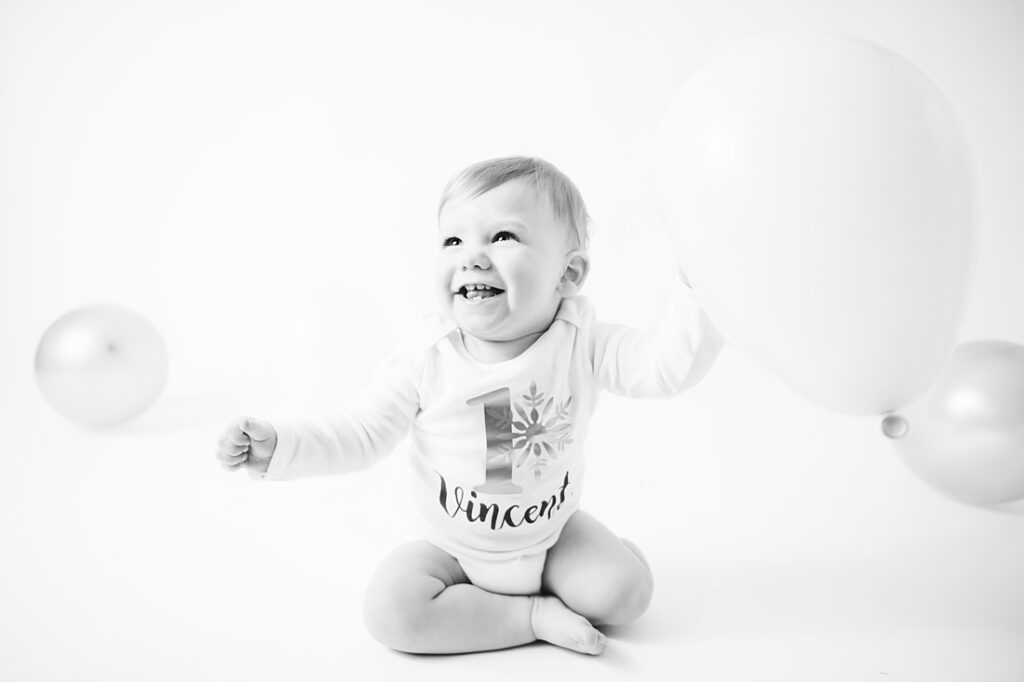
(577, 267)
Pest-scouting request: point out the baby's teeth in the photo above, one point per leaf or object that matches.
(477, 292)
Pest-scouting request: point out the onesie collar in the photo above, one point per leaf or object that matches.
(574, 310)
(434, 328)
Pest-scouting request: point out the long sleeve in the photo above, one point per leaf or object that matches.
(660, 362)
(357, 436)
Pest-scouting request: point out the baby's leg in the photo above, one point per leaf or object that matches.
(598, 575)
(420, 601)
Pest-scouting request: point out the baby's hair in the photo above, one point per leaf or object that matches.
(549, 182)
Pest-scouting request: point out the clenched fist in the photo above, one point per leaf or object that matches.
(247, 443)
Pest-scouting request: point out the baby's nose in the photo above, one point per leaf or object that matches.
(476, 260)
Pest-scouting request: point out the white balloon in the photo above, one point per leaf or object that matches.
(101, 365)
(817, 191)
(965, 436)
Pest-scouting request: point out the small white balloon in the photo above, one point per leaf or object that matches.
(965, 436)
(101, 365)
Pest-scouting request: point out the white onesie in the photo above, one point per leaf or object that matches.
(497, 449)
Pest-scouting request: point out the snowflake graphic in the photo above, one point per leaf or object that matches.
(530, 432)
(540, 429)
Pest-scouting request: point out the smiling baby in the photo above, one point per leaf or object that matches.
(495, 393)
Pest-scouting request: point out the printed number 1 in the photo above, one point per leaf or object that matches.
(498, 427)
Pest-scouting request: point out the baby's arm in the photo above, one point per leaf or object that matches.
(658, 362)
(348, 440)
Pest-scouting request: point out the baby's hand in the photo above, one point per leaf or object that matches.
(247, 443)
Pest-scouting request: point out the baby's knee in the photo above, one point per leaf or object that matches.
(391, 617)
(614, 594)
(397, 602)
(627, 597)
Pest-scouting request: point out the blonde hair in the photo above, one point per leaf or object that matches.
(549, 182)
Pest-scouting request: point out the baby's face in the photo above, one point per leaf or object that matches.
(501, 259)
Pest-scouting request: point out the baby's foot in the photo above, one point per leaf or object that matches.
(553, 622)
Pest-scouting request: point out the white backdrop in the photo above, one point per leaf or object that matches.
(260, 179)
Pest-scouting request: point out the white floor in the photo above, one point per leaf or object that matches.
(784, 549)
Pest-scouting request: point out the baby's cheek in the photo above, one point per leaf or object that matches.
(442, 276)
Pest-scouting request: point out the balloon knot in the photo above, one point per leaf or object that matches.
(895, 426)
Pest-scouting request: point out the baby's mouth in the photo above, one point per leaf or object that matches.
(474, 293)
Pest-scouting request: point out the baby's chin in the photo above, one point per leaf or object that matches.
(494, 321)
(499, 336)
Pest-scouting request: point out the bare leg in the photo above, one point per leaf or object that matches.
(420, 601)
(596, 574)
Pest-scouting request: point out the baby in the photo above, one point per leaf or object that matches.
(496, 392)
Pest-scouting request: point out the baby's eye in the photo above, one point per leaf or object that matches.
(451, 241)
(505, 236)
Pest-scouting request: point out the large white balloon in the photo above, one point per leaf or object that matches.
(817, 190)
(101, 365)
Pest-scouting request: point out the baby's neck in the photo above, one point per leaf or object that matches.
(484, 350)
